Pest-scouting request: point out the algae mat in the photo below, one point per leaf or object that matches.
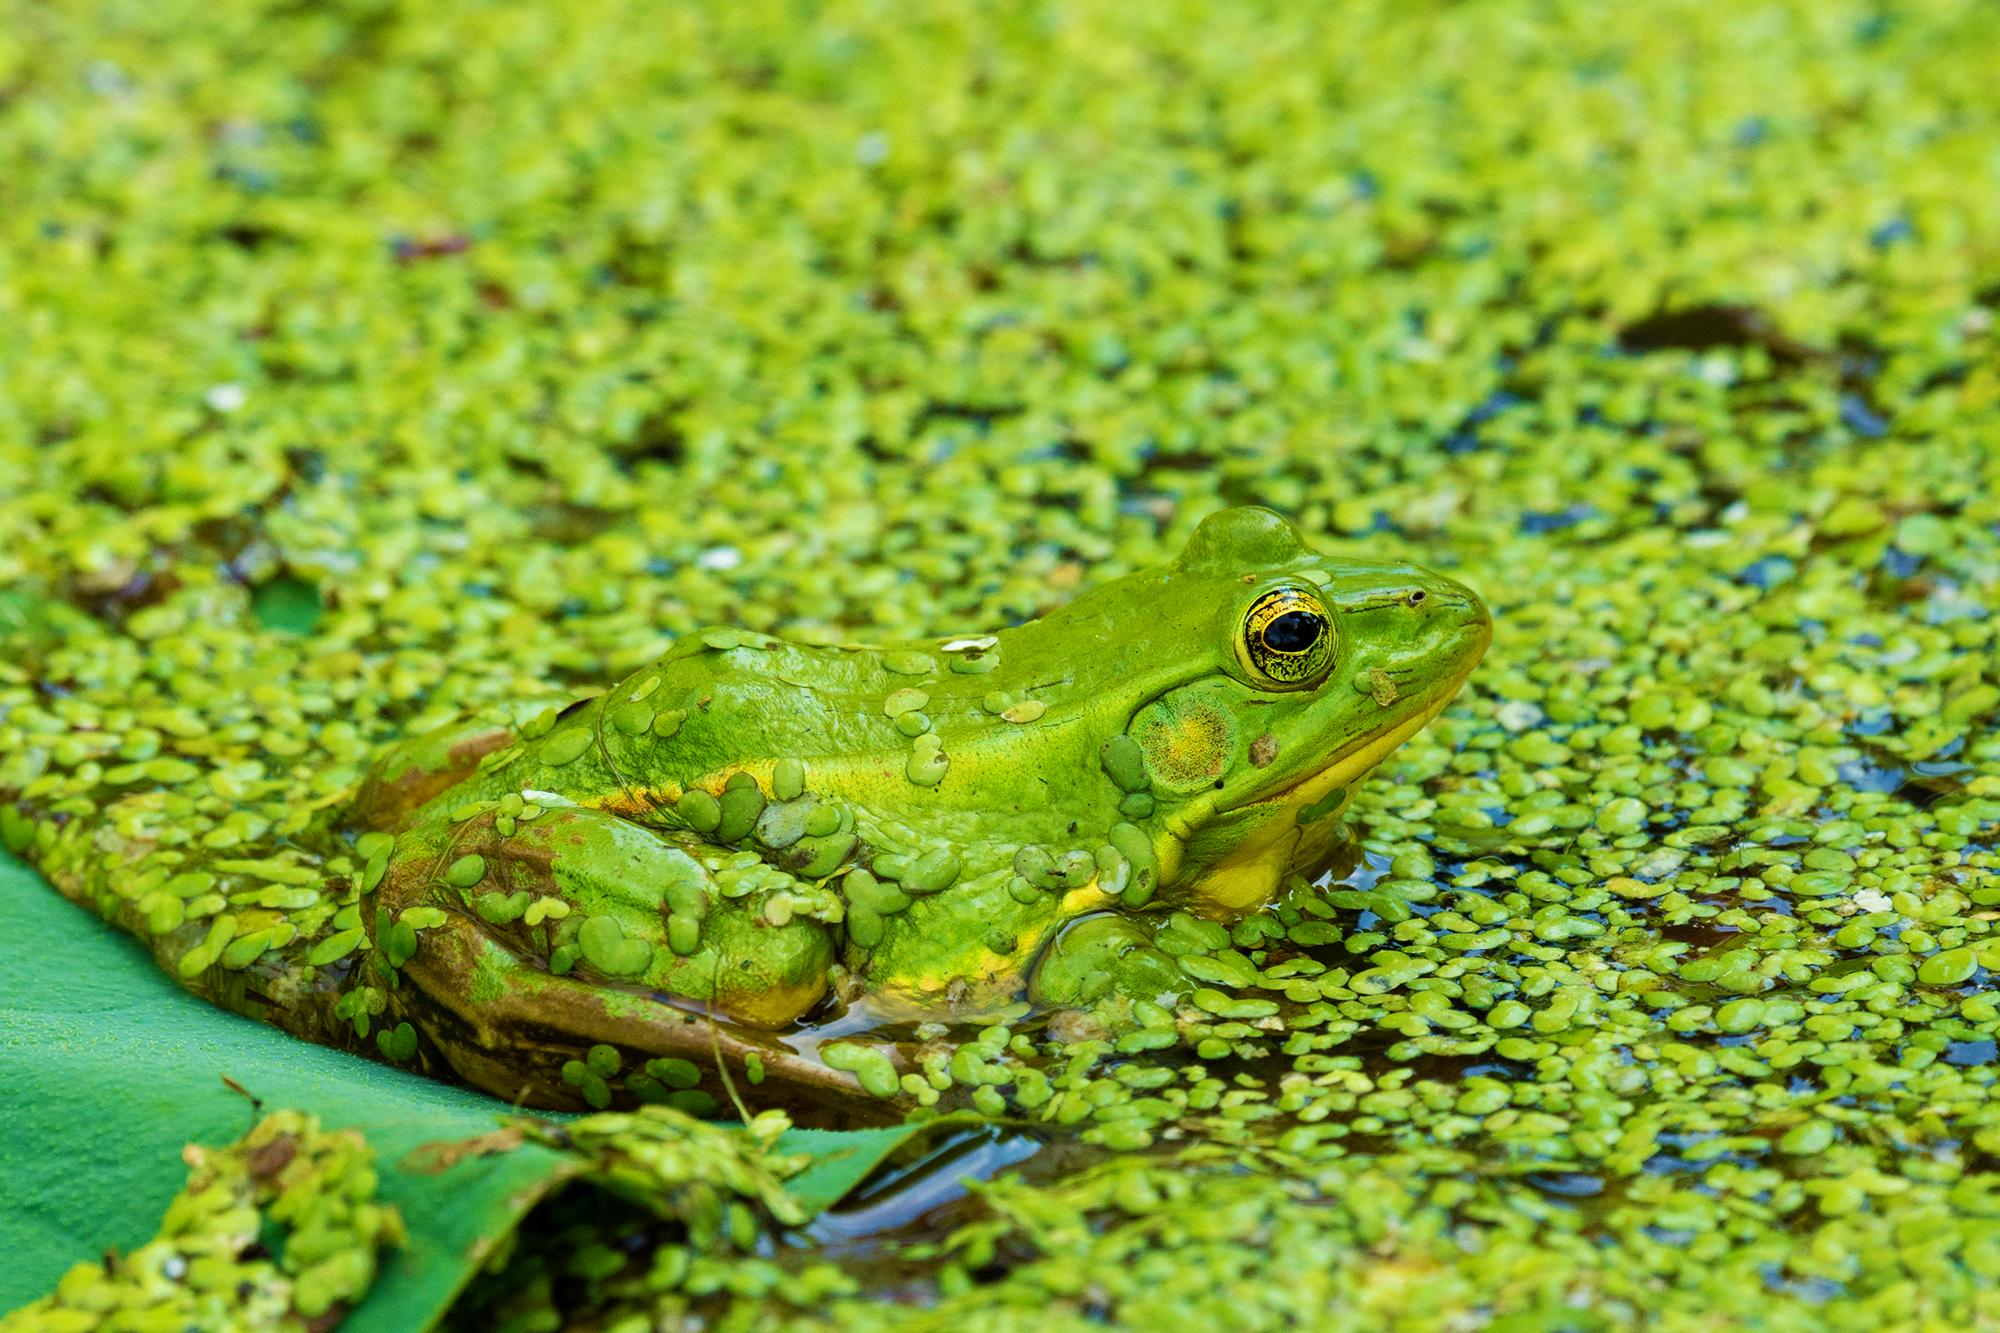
(360, 362)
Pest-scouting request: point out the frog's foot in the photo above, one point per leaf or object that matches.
(1105, 955)
(568, 958)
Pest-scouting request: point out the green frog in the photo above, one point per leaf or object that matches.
(751, 842)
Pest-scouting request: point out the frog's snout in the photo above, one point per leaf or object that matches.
(1453, 599)
(1458, 627)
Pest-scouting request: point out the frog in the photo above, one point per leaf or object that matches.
(751, 843)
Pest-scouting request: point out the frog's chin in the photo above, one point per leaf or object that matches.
(1282, 828)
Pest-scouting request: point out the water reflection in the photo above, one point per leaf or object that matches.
(901, 1193)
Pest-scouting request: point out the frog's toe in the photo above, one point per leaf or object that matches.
(1100, 956)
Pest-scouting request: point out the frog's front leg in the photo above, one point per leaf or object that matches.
(564, 956)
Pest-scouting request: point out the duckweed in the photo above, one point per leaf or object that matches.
(568, 746)
(788, 780)
(352, 388)
(873, 1068)
(279, 1230)
(928, 762)
(610, 950)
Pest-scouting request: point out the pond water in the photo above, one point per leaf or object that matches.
(367, 364)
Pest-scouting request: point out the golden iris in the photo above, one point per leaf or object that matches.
(1287, 639)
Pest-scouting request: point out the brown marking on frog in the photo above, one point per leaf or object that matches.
(395, 790)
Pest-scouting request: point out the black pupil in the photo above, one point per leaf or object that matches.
(1293, 632)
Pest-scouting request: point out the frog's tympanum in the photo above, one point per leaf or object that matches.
(751, 833)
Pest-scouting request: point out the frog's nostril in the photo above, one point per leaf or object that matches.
(1415, 596)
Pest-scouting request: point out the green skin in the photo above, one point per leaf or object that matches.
(691, 863)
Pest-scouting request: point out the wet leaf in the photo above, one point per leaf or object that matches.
(111, 1069)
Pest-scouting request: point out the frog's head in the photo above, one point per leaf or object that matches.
(1263, 681)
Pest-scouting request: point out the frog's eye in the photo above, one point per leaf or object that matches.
(1287, 640)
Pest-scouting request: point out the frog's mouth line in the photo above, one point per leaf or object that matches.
(1354, 765)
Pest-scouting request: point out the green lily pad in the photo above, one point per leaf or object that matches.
(110, 1069)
